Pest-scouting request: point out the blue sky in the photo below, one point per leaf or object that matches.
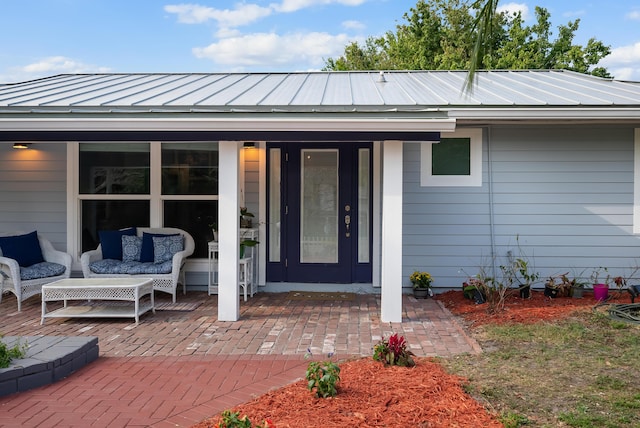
(47, 37)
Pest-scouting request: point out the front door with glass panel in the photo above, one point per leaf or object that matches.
(319, 226)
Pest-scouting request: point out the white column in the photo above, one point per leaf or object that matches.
(391, 261)
(228, 226)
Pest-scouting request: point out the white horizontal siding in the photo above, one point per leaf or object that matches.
(562, 196)
(33, 191)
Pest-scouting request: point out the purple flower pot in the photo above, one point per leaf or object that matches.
(600, 292)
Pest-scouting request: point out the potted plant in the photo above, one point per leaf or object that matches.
(559, 286)
(214, 230)
(421, 282)
(472, 290)
(601, 286)
(245, 218)
(244, 243)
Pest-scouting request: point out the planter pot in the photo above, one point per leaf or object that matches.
(601, 292)
(551, 292)
(421, 293)
(577, 292)
(525, 292)
(215, 235)
(478, 297)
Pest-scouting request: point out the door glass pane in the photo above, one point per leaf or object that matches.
(274, 204)
(190, 168)
(364, 194)
(319, 206)
(114, 168)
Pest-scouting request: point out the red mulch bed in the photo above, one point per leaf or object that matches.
(535, 309)
(372, 395)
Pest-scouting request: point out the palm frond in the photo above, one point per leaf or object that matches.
(483, 27)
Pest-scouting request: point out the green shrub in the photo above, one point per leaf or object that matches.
(323, 376)
(7, 354)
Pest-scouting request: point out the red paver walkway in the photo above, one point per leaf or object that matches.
(177, 367)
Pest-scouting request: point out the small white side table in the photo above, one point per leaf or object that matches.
(245, 272)
(213, 267)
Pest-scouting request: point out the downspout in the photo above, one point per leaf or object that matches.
(492, 231)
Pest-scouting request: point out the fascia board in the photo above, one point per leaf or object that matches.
(546, 114)
(425, 124)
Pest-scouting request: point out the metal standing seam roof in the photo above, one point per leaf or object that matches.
(358, 91)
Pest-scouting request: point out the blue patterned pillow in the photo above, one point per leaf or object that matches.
(146, 254)
(165, 247)
(131, 248)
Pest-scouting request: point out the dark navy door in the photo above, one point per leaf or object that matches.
(325, 213)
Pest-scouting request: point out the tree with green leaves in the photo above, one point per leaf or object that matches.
(471, 35)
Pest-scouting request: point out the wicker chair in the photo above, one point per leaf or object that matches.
(165, 282)
(11, 274)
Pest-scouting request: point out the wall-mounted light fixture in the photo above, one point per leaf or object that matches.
(18, 145)
(249, 144)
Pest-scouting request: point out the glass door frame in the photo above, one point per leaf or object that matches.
(278, 265)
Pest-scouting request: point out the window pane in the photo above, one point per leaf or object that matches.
(452, 156)
(364, 195)
(319, 207)
(194, 217)
(114, 168)
(110, 215)
(274, 204)
(190, 168)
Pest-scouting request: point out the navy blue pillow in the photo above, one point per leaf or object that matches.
(147, 253)
(111, 242)
(24, 249)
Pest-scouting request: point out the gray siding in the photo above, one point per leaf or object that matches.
(562, 196)
(252, 181)
(33, 191)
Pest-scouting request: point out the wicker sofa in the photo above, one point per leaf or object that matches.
(166, 275)
(36, 263)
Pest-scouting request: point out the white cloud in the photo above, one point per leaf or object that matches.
(511, 8)
(353, 25)
(624, 62)
(49, 66)
(634, 15)
(235, 50)
(270, 49)
(293, 5)
(243, 14)
(574, 13)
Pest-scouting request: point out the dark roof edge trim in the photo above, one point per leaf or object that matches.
(327, 136)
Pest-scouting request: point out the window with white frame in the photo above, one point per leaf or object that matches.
(454, 161)
(172, 184)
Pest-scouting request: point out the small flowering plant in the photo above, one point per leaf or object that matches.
(421, 279)
(393, 352)
(233, 420)
(323, 376)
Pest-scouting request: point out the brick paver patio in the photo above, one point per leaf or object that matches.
(178, 367)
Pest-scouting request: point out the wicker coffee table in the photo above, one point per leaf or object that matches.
(106, 297)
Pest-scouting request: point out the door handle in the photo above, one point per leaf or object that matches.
(347, 222)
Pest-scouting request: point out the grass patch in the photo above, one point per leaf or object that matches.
(581, 372)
